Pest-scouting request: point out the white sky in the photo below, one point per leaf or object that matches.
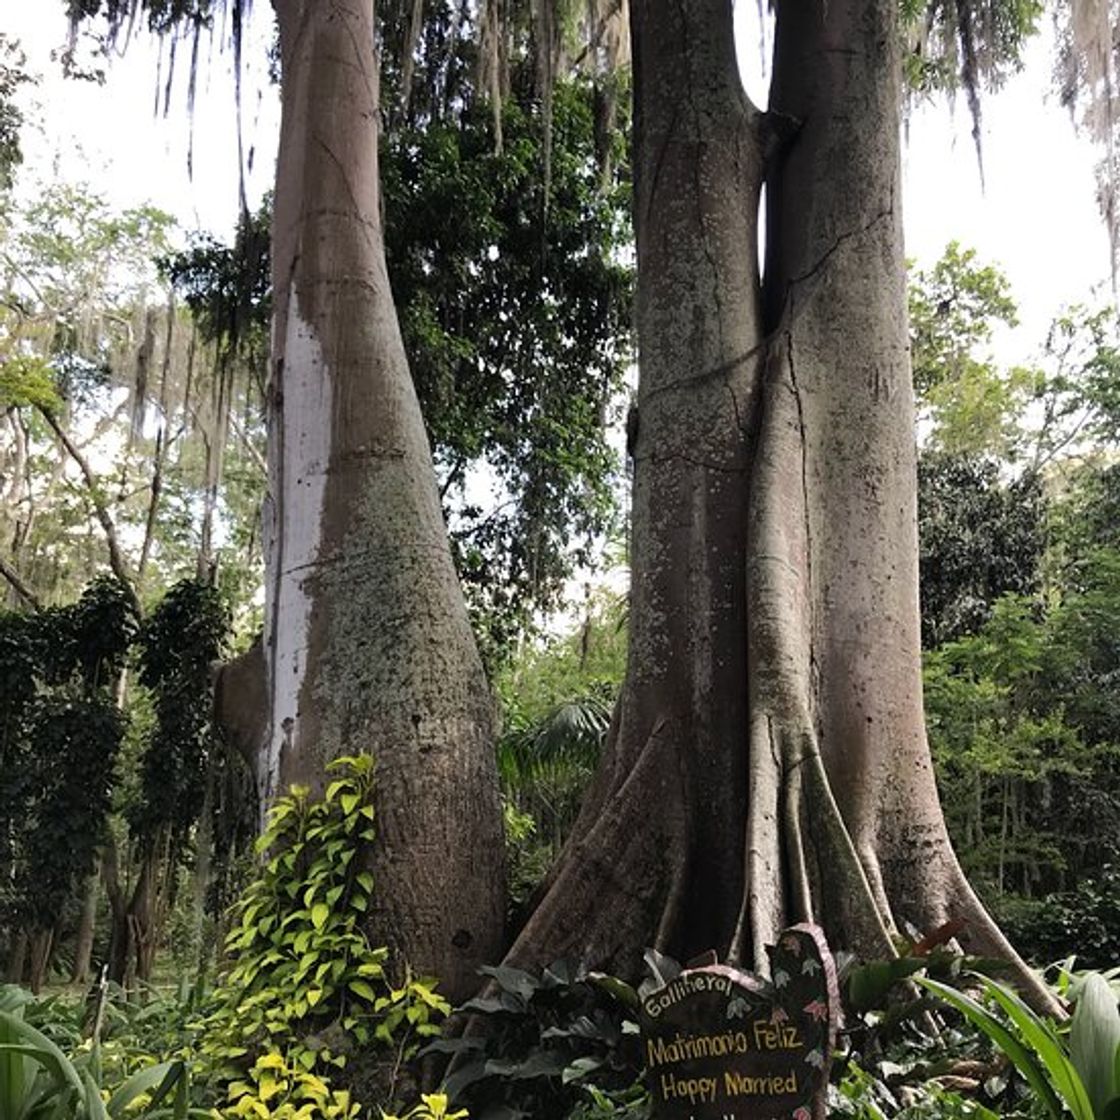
(113, 138)
(1037, 218)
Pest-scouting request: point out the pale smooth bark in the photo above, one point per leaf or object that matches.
(367, 644)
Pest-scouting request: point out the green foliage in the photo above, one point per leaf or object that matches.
(1019, 579)
(1026, 416)
(228, 287)
(304, 984)
(1056, 1069)
(180, 642)
(1020, 767)
(980, 537)
(1094, 1044)
(27, 380)
(548, 1041)
(1084, 920)
(275, 1090)
(557, 698)
(525, 389)
(39, 1081)
(61, 734)
(954, 309)
(432, 1106)
(13, 75)
(969, 46)
(1079, 393)
(516, 321)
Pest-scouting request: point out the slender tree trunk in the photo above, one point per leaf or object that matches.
(120, 932)
(17, 958)
(40, 946)
(367, 647)
(202, 944)
(87, 927)
(769, 762)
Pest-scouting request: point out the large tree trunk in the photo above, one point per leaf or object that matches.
(769, 761)
(657, 851)
(368, 646)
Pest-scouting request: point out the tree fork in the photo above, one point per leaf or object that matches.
(787, 698)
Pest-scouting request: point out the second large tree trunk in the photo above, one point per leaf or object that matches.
(368, 646)
(769, 761)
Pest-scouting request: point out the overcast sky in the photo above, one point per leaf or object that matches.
(1037, 217)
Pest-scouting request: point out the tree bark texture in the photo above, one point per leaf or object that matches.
(368, 646)
(768, 762)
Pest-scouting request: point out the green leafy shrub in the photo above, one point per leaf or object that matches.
(61, 733)
(432, 1106)
(1078, 1074)
(39, 1080)
(274, 1090)
(549, 1045)
(1084, 921)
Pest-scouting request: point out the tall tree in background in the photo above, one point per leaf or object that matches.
(772, 710)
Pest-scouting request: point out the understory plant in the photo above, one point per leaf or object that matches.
(305, 993)
(1074, 1072)
(40, 1081)
(564, 1043)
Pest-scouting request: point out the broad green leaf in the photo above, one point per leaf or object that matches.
(1040, 1037)
(1094, 1042)
(157, 1080)
(361, 988)
(1018, 1054)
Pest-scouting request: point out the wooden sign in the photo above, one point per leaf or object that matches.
(720, 1044)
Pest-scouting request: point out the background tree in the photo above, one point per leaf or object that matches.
(515, 317)
(1016, 571)
(62, 732)
(980, 537)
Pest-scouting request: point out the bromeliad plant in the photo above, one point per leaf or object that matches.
(1074, 1075)
(305, 989)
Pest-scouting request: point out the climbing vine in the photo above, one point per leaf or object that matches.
(305, 992)
(59, 740)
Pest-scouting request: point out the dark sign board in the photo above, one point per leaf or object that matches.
(720, 1044)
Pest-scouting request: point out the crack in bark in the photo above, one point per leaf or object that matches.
(842, 239)
(680, 456)
(806, 519)
(659, 162)
(724, 369)
(358, 208)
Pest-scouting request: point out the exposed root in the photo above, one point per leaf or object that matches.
(608, 895)
(799, 890)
